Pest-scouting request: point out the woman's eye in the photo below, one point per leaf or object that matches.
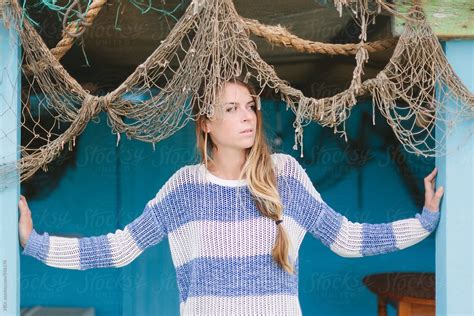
(235, 107)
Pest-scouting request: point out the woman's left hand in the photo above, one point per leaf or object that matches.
(432, 198)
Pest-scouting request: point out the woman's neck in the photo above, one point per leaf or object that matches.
(227, 165)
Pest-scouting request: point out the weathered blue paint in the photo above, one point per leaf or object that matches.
(10, 84)
(455, 235)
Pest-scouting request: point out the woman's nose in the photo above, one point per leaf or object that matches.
(247, 114)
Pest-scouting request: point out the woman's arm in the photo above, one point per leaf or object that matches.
(349, 239)
(111, 250)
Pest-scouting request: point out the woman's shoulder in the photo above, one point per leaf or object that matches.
(184, 174)
(281, 157)
(285, 163)
(190, 174)
(289, 167)
(177, 183)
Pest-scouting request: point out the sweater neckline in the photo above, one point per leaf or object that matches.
(220, 181)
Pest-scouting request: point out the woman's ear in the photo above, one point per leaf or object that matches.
(205, 126)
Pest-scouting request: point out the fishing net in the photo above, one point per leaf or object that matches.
(417, 91)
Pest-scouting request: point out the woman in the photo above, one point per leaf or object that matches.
(235, 221)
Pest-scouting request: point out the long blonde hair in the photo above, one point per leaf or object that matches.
(259, 173)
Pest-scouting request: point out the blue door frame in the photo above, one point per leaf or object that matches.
(10, 87)
(454, 236)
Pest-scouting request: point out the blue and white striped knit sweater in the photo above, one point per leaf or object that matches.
(221, 245)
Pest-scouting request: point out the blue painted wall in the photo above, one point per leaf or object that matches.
(84, 203)
(110, 186)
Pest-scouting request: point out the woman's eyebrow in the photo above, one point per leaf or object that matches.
(232, 103)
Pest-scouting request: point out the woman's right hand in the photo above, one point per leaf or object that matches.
(25, 224)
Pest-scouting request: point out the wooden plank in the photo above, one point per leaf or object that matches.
(450, 19)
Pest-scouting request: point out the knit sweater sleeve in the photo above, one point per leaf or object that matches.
(353, 239)
(111, 250)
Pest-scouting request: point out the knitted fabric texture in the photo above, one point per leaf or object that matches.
(221, 245)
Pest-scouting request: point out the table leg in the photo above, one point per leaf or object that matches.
(404, 309)
(381, 306)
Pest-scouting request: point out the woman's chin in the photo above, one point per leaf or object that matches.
(249, 144)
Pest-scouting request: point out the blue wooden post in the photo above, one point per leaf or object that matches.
(455, 237)
(10, 85)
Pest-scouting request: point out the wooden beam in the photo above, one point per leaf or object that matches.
(449, 19)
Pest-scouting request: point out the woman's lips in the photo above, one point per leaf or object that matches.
(250, 132)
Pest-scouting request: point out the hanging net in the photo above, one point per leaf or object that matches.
(417, 91)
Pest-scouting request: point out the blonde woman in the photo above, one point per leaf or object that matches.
(234, 221)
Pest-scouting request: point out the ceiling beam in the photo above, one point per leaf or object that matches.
(449, 19)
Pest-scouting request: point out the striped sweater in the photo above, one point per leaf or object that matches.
(221, 245)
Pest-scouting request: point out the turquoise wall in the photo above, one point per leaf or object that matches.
(109, 186)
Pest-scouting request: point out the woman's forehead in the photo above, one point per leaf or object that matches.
(235, 92)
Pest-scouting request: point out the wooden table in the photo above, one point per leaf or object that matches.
(411, 293)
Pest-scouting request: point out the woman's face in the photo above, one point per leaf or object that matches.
(237, 115)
